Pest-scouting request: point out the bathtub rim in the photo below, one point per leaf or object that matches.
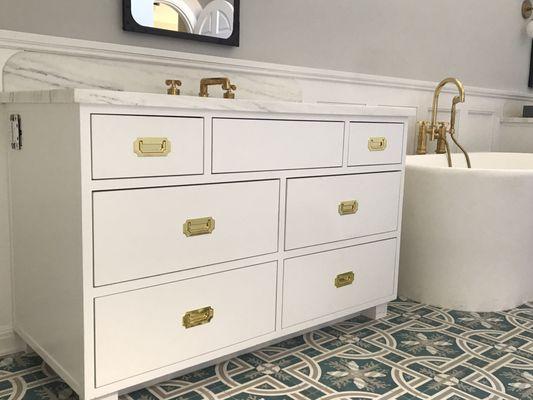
(464, 171)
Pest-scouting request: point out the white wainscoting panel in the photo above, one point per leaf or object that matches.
(515, 135)
(480, 131)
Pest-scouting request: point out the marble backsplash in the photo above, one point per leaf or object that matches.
(29, 70)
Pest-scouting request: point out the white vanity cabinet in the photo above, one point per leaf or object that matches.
(154, 234)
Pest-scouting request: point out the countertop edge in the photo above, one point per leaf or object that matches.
(138, 99)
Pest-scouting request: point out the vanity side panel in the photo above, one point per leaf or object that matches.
(400, 209)
(45, 197)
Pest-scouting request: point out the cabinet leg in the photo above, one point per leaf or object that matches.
(376, 312)
(27, 349)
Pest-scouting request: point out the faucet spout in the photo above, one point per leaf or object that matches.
(456, 99)
(224, 82)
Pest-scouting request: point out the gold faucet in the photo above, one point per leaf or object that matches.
(438, 130)
(173, 85)
(224, 82)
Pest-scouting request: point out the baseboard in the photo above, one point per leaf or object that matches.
(10, 343)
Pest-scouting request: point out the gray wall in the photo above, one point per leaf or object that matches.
(482, 42)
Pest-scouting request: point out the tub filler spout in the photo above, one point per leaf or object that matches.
(438, 130)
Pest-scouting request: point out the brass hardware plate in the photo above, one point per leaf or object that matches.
(151, 147)
(16, 131)
(348, 207)
(345, 279)
(199, 226)
(198, 317)
(377, 143)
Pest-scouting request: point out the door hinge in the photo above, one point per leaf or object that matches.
(16, 131)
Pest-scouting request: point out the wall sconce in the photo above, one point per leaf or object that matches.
(527, 11)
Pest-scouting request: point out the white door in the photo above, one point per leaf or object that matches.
(216, 19)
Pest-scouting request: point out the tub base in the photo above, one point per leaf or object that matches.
(467, 235)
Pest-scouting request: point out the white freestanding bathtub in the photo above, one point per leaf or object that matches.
(467, 240)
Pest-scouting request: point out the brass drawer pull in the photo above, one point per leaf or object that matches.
(344, 279)
(151, 147)
(199, 226)
(377, 143)
(198, 317)
(348, 207)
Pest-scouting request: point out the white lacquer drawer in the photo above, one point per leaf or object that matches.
(329, 209)
(146, 329)
(261, 145)
(325, 283)
(146, 232)
(375, 143)
(128, 146)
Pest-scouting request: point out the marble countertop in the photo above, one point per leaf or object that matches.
(116, 98)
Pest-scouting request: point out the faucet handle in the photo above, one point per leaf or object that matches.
(425, 128)
(421, 147)
(173, 86)
(229, 93)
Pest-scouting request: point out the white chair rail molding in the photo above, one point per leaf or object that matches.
(163, 232)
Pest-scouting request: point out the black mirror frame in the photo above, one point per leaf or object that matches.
(530, 82)
(129, 24)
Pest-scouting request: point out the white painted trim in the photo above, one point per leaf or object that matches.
(516, 120)
(10, 343)
(59, 45)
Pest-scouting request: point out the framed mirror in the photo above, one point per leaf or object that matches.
(215, 21)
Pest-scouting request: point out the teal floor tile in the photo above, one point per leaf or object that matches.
(415, 352)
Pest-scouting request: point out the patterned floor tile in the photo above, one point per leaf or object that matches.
(444, 381)
(518, 382)
(416, 352)
(489, 321)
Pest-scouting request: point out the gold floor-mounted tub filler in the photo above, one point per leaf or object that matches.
(438, 130)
